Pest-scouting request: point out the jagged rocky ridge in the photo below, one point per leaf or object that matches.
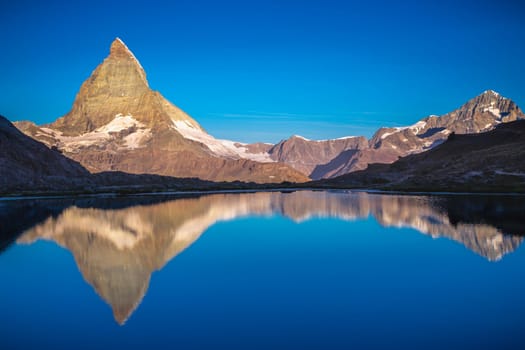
(117, 123)
(117, 249)
(491, 161)
(29, 167)
(480, 114)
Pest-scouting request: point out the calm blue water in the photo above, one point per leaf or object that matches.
(301, 270)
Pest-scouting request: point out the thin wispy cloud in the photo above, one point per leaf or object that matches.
(276, 130)
(288, 116)
(249, 116)
(351, 119)
(262, 125)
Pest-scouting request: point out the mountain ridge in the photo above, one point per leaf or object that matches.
(487, 161)
(117, 123)
(480, 113)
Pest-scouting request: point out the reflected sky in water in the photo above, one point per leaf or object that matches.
(256, 270)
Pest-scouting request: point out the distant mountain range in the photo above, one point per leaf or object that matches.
(488, 161)
(117, 123)
(332, 158)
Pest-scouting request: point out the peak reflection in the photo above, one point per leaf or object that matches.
(117, 250)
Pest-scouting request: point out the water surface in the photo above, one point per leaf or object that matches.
(263, 270)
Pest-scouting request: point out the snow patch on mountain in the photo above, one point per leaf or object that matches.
(491, 92)
(345, 138)
(417, 127)
(300, 137)
(137, 135)
(137, 139)
(121, 122)
(493, 110)
(325, 140)
(222, 148)
(386, 134)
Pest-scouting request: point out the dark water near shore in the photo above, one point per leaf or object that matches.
(299, 270)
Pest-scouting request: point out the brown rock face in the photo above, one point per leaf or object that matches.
(118, 123)
(118, 85)
(258, 147)
(311, 157)
(481, 113)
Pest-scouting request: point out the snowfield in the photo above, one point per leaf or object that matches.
(137, 137)
(222, 148)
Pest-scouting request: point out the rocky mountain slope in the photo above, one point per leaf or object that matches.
(28, 166)
(489, 161)
(26, 163)
(309, 156)
(118, 123)
(480, 114)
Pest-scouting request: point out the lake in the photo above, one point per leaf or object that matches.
(267, 270)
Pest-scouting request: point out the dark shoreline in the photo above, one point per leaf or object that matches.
(125, 192)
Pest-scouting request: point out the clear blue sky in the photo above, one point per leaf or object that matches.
(263, 70)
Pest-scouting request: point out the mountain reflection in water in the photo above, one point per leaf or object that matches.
(118, 243)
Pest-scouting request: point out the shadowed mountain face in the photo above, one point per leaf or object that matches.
(26, 163)
(117, 123)
(490, 161)
(309, 156)
(117, 248)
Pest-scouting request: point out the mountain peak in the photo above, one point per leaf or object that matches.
(117, 85)
(481, 113)
(118, 47)
(491, 92)
(299, 137)
(119, 50)
(488, 97)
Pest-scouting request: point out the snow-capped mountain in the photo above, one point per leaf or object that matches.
(118, 123)
(480, 114)
(489, 161)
